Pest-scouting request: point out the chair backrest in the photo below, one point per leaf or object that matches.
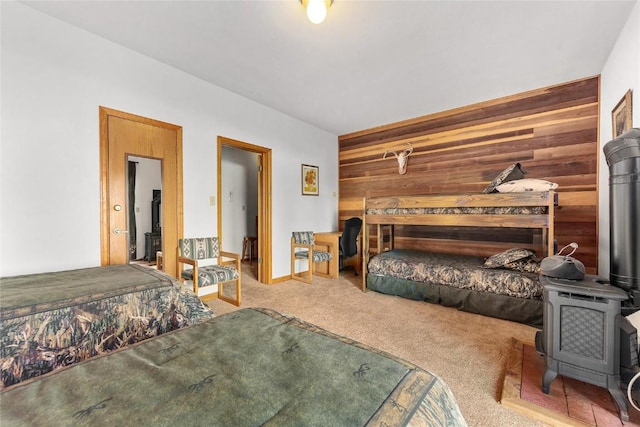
(199, 248)
(349, 239)
(304, 237)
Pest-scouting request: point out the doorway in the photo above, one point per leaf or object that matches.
(123, 135)
(263, 226)
(144, 189)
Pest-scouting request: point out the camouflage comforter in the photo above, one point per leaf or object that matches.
(458, 271)
(48, 321)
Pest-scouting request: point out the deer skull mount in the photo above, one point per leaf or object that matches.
(402, 157)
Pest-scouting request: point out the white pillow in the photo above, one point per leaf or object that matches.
(526, 184)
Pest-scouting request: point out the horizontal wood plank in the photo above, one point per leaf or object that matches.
(552, 132)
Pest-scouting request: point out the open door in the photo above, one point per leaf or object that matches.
(122, 135)
(264, 203)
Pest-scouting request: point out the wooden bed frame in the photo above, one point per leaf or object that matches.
(543, 221)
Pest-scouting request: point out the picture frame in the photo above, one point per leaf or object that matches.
(310, 180)
(621, 115)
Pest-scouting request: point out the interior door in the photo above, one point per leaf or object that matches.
(264, 202)
(121, 135)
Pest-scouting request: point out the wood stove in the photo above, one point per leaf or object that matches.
(152, 244)
(581, 335)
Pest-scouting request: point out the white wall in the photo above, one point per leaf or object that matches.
(53, 78)
(620, 73)
(239, 197)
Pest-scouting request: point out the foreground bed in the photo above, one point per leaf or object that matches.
(52, 320)
(508, 290)
(247, 368)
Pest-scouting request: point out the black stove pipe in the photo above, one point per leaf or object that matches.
(623, 157)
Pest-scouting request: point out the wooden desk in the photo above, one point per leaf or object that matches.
(329, 242)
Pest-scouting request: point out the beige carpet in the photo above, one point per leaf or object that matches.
(468, 351)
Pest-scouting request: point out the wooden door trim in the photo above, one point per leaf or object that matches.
(105, 232)
(264, 202)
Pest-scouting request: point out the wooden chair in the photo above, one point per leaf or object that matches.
(209, 272)
(249, 248)
(303, 248)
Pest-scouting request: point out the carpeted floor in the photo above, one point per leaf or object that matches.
(467, 351)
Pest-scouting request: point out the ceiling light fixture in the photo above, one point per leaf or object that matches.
(316, 9)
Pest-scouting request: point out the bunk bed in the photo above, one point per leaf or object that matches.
(250, 367)
(504, 284)
(52, 320)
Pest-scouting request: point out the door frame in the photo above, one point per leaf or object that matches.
(264, 231)
(105, 229)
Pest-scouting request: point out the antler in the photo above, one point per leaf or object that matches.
(402, 158)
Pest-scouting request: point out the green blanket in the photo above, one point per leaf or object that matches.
(251, 367)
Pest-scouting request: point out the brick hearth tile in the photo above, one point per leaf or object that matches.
(531, 383)
(597, 395)
(581, 409)
(607, 418)
(579, 400)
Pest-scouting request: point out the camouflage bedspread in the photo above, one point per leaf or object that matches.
(52, 320)
(458, 271)
(502, 210)
(251, 367)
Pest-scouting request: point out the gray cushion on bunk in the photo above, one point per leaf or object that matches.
(511, 173)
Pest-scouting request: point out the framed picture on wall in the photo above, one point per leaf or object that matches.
(621, 115)
(310, 180)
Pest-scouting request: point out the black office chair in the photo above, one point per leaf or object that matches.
(349, 240)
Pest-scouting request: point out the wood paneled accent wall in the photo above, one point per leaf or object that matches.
(552, 132)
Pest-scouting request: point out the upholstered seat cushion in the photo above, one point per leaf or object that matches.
(212, 274)
(317, 255)
(200, 248)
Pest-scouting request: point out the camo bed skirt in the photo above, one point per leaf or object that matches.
(52, 320)
(458, 281)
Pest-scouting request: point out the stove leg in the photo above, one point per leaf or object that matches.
(621, 401)
(548, 377)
